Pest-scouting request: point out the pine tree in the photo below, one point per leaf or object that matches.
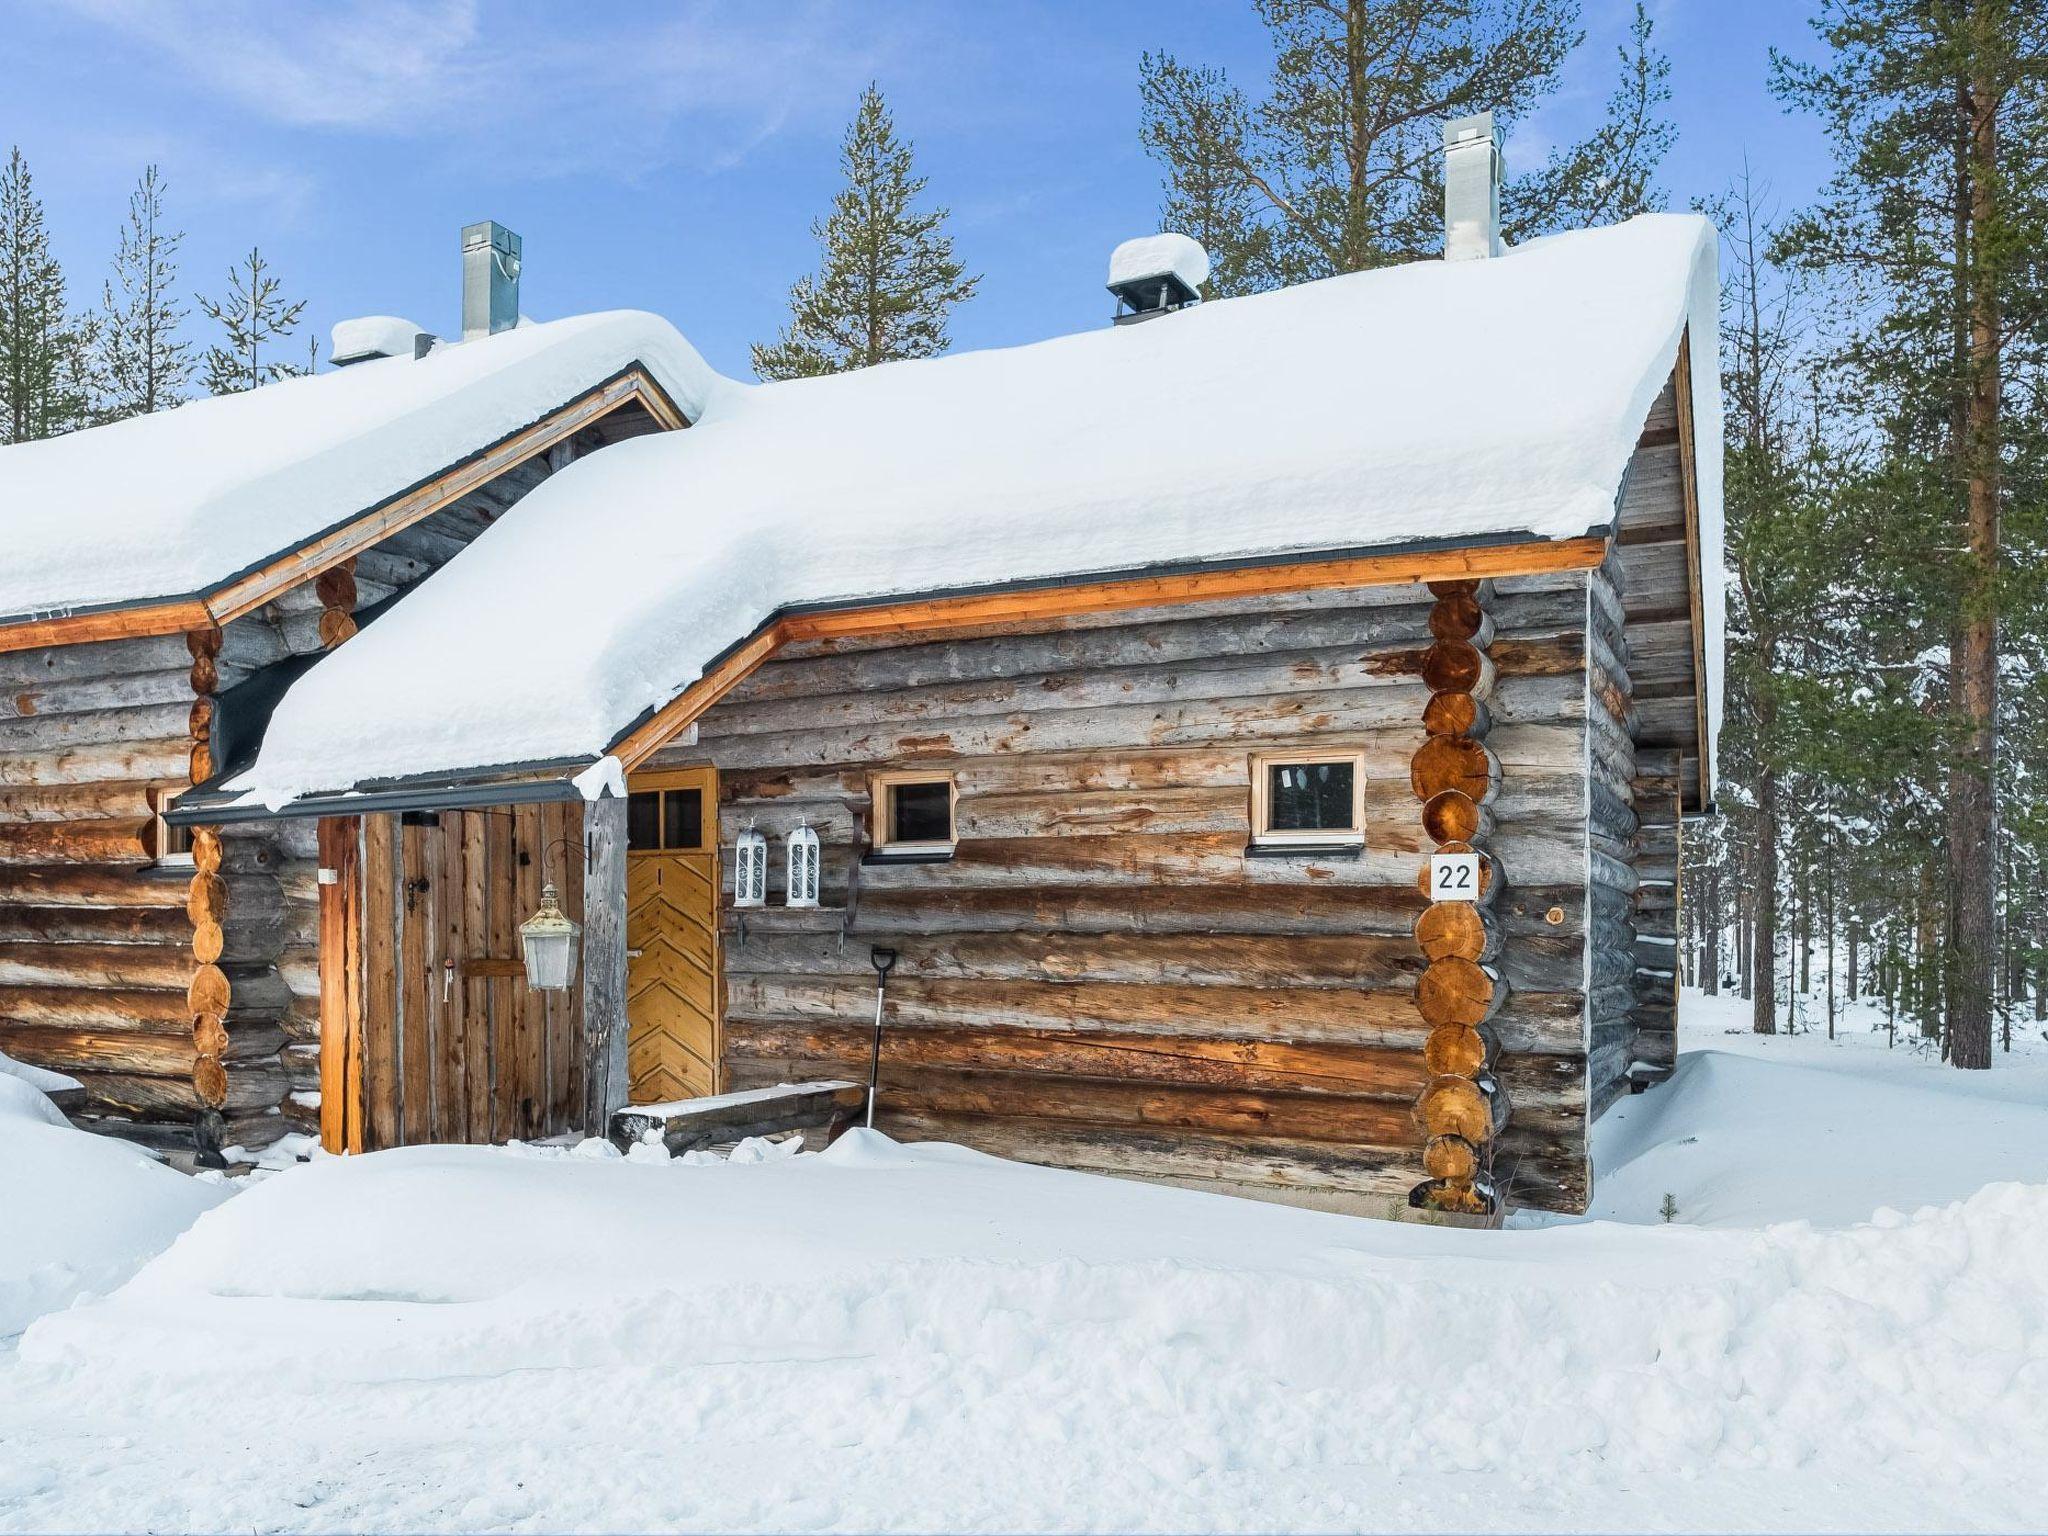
(253, 315)
(1930, 232)
(1340, 166)
(886, 280)
(144, 364)
(45, 373)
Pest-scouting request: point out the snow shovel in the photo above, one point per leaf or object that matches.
(882, 960)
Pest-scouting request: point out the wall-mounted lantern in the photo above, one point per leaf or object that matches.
(803, 868)
(750, 870)
(549, 940)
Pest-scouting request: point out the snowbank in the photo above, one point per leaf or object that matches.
(39, 1078)
(1434, 401)
(78, 1212)
(175, 503)
(924, 1338)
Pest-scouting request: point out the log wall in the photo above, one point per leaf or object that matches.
(1104, 975)
(1613, 723)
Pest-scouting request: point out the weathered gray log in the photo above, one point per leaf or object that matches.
(689, 1124)
(606, 1076)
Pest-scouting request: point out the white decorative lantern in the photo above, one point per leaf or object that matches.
(803, 868)
(549, 939)
(750, 870)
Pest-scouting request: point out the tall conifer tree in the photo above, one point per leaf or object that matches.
(1339, 167)
(887, 278)
(253, 316)
(144, 363)
(45, 375)
(1930, 231)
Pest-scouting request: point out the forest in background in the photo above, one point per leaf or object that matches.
(1881, 819)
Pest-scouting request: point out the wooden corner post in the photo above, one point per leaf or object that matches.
(209, 994)
(1462, 1109)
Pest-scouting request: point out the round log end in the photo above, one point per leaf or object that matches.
(1459, 616)
(209, 941)
(1453, 763)
(1450, 1157)
(202, 642)
(1457, 1050)
(205, 849)
(1456, 991)
(1455, 714)
(210, 1081)
(1457, 666)
(201, 764)
(210, 1035)
(1489, 872)
(336, 586)
(336, 625)
(1454, 930)
(1460, 1106)
(1454, 817)
(206, 899)
(209, 992)
(1463, 1197)
(205, 674)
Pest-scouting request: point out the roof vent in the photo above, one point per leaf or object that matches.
(1155, 274)
(1472, 171)
(371, 336)
(490, 279)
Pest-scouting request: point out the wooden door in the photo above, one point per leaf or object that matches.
(672, 977)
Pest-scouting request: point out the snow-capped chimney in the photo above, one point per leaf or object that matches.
(1472, 171)
(490, 279)
(1156, 274)
(370, 336)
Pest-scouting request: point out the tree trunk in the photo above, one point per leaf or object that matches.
(1763, 943)
(1710, 936)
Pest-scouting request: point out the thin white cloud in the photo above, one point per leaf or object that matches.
(547, 88)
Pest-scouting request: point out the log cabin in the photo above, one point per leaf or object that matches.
(166, 577)
(1120, 687)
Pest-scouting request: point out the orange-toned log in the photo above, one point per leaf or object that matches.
(209, 941)
(336, 586)
(199, 724)
(1457, 666)
(1455, 817)
(1456, 930)
(205, 674)
(1455, 991)
(201, 763)
(1455, 714)
(1458, 1051)
(1489, 872)
(1454, 762)
(1450, 1157)
(210, 1035)
(1459, 1106)
(1459, 616)
(1464, 1196)
(336, 625)
(202, 642)
(205, 850)
(210, 1081)
(206, 899)
(1480, 587)
(210, 991)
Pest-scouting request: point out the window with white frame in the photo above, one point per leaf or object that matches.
(1308, 798)
(913, 813)
(171, 846)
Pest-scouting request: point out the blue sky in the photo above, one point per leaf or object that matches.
(672, 156)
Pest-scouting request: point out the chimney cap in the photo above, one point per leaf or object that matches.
(1150, 257)
(371, 336)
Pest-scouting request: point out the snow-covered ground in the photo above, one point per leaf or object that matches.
(889, 1337)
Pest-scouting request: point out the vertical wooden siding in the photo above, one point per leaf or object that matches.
(466, 1052)
(1101, 976)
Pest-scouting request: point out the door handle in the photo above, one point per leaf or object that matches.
(635, 954)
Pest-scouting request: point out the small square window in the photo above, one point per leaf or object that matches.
(170, 845)
(913, 813)
(667, 819)
(682, 818)
(643, 820)
(1308, 797)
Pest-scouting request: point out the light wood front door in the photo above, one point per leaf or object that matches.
(672, 980)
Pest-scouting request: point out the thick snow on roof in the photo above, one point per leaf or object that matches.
(175, 503)
(1156, 256)
(1427, 402)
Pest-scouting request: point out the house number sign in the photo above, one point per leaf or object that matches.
(1454, 877)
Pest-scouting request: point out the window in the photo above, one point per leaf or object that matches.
(171, 845)
(1308, 797)
(913, 813)
(669, 819)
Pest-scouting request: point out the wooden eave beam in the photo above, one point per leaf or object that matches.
(257, 587)
(969, 610)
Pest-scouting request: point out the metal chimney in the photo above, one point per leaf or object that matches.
(490, 279)
(1472, 171)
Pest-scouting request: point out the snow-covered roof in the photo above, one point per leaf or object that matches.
(173, 504)
(1436, 401)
